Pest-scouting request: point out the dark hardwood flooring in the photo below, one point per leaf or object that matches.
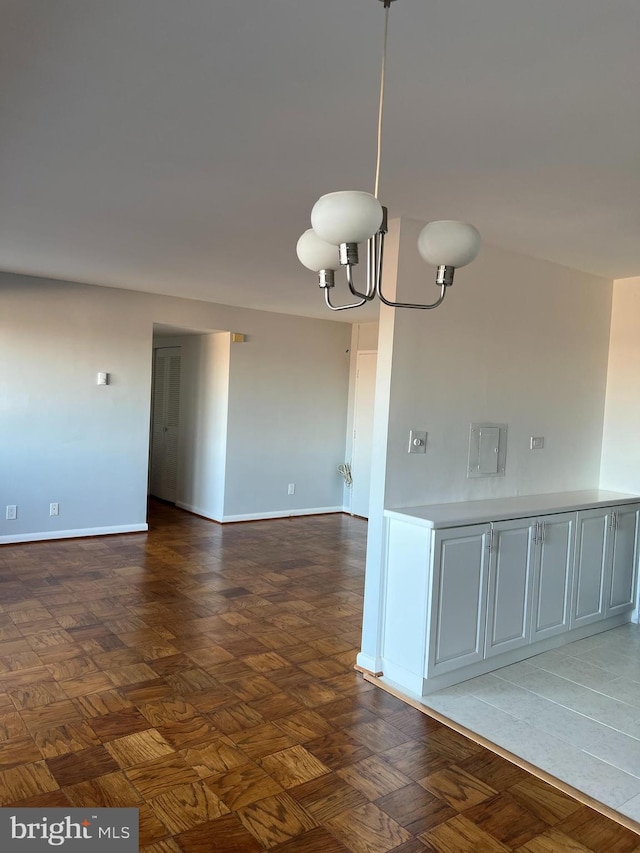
(204, 674)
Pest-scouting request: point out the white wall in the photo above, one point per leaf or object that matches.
(517, 341)
(287, 416)
(65, 439)
(364, 337)
(620, 447)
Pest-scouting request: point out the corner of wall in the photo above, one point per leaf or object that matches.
(620, 458)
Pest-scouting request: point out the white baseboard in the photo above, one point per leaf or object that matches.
(370, 664)
(286, 513)
(258, 516)
(80, 533)
(197, 510)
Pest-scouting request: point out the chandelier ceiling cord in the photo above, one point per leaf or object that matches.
(342, 220)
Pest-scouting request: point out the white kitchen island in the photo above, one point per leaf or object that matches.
(473, 586)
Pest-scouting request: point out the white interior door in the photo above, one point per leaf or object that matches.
(363, 432)
(165, 418)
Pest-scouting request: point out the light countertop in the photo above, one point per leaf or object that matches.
(499, 509)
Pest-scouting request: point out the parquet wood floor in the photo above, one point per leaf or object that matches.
(204, 674)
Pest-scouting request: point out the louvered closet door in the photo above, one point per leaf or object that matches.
(165, 423)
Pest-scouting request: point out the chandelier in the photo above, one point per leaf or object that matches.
(342, 220)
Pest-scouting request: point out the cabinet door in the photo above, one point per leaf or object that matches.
(592, 544)
(458, 598)
(622, 586)
(555, 535)
(508, 597)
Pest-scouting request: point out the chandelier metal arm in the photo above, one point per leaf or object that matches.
(327, 299)
(378, 252)
(375, 251)
(378, 241)
(443, 291)
(371, 291)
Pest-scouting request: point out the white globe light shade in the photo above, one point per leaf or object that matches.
(346, 217)
(315, 254)
(449, 243)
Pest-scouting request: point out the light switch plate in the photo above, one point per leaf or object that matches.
(537, 442)
(417, 441)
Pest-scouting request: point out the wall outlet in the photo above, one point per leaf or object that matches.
(54, 509)
(292, 489)
(12, 512)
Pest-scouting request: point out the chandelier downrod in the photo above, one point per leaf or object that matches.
(383, 74)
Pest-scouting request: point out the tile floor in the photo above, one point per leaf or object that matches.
(574, 712)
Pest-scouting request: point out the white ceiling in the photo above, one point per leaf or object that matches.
(177, 147)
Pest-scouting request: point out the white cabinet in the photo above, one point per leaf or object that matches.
(529, 581)
(508, 608)
(553, 537)
(621, 588)
(593, 545)
(605, 566)
(465, 598)
(503, 586)
(458, 598)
